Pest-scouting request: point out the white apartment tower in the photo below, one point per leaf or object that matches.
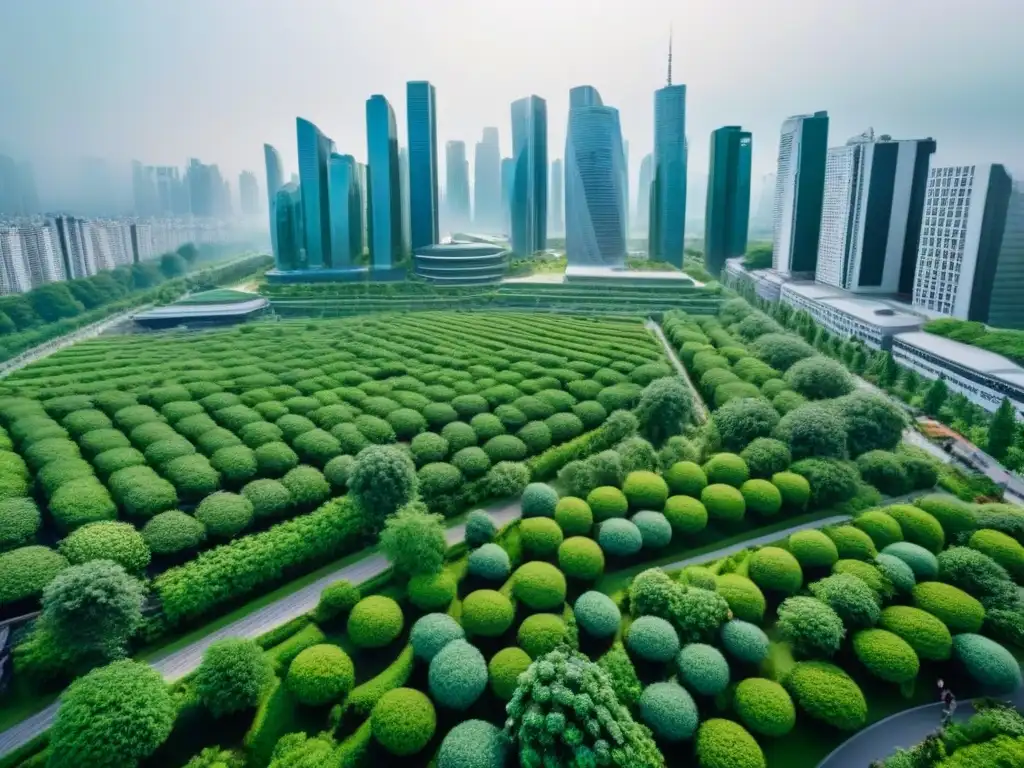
(14, 277)
(799, 183)
(43, 256)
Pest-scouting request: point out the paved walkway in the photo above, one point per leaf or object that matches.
(902, 730)
(700, 409)
(179, 663)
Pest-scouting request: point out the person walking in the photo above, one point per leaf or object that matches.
(948, 703)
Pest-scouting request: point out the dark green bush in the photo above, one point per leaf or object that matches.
(172, 532)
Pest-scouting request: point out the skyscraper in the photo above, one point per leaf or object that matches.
(384, 184)
(275, 180)
(314, 156)
(14, 276)
(75, 242)
(728, 201)
(557, 223)
(487, 210)
(346, 211)
(248, 193)
(799, 186)
(668, 197)
(144, 188)
(403, 183)
(529, 187)
(595, 198)
(287, 209)
(625, 181)
(421, 106)
(508, 175)
(765, 202)
(643, 194)
(457, 185)
(42, 254)
(970, 260)
(871, 213)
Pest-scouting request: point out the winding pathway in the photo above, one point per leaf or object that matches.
(698, 401)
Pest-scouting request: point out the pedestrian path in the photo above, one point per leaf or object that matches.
(700, 409)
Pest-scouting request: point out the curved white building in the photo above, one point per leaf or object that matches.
(595, 172)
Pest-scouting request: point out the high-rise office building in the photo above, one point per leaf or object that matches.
(556, 224)
(421, 107)
(595, 210)
(799, 187)
(167, 180)
(14, 276)
(728, 201)
(346, 211)
(970, 262)
(871, 213)
(314, 155)
(668, 182)
(625, 182)
(765, 202)
(457, 185)
(248, 193)
(275, 180)
(508, 176)
(403, 183)
(529, 186)
(487, 215)
(144, 191)
(364, 202)
(288, 223)
(384, 184)
(643, 194)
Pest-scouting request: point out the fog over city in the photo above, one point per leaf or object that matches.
(163, 81)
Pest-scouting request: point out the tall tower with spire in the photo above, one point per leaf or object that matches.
(668, 183)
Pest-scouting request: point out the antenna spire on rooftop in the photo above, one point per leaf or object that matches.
(670, 55)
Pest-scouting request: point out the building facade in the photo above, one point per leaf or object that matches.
(275, 180)
(384, 184)
(248, 193)
(871, 213)
(42, 253)
(668, 184)
(314, 155)
(346, 211)
(643, 194)
(595, 198)
(960, 256)
(457, 186)
(528, 192)
(728, 200)
(556, 224)
(508, 175)
(487, 215)
(288, 222)
(14, 275)
(421, 107)
(799, 187)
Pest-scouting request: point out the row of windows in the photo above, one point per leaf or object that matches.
(958, 374)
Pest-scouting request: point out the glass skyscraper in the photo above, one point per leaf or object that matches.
(799, 191)
(385, 196)
(668, 193)
(529, 184)
(457, 185)
(275, 180)
(728, 202)
(421, 106)
(487, 216)
(557, 198)
(346, 212)
(288, 226)
(508, 173)
(314, 155)
(595, 195)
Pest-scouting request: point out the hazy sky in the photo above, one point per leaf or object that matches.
(163, 80)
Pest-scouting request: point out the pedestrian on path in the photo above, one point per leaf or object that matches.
(948, 702)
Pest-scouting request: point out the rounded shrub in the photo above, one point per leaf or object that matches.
(885, 471)
(896, 571)
(25, 571)
(885, 655)
(438, 479)
(852, 599)
(457, 676)
(581, 558)
(320, 675)
(236, 464)
(652, 639)
(745, 599)
(20, 520)
(686, 478)
(685, 515)
(225, 514)
(171, 532)
(645, 490)
(307, 485)
(472, 462)
(487, 613)
(573, 516)
(541, 633)
(433, 632)
(669, 711)
(98, 441)
(764, 707)
(813, 430)
(1002, 548)
(619, 538)
(761, 497)
(539, 500)
(275, 459)
(882, 528)
(540, 586)
(795, 489)
(107, 540)
(161, 452)
(374, 622)
(432, 591)
(954, 516)
(918, 526)
(597, 614)
(489, 561)
(987, 662)
(336, 599)
(403, 721)
(192, 476)
(81, 501)
(428, 447)
(922, 631)
(827, 693)
(703, 669)
(540, 537)
(726, 469)
(269, 499)
(723, 503)
(473, 744)
(480, 528)
(974, 572)
(725, 744)
(140, 492)
(813, 549)
(507, 478)
(744, 641)
(743, 420)
(852, 543)
(954, 607)
(607, 502)
(259, 433)
(776, 570)
(506, 448)
(655, 529)
(504, 670)
(922, 562)
(765, 457)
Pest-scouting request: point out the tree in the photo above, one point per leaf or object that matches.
(145, 275)
(413, 540)
(383, 478)
(813, 429)
(189, 253)
(112, 718)
(20, 311)
(742, 420)
(173, 265)
(53, 302)
(665, 409)
(758, 256)
(1001, 430)
(873, 422)
(85, 292)
(935, 397)
(890, 371)
(911, 382)
(7, 325)
(858, 361)
(819, 378)
(93, 609)
(233, 676)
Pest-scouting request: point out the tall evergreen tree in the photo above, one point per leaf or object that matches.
(935, 397)
(1001, 430)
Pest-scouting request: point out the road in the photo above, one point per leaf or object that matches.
(179, 663)
(700, 409)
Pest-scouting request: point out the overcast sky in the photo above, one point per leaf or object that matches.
(163, 80)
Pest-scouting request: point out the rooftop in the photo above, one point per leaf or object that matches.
(976, 359)
(614, 273)
(882, 312)
(184, 312)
